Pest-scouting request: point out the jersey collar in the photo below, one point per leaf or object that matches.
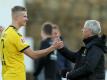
(13, 27)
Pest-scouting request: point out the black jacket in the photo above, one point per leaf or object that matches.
(43, 61)
(89, 60)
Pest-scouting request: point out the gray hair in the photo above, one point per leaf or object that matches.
(94, 25)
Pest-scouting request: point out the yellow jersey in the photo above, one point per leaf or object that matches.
(12, 46)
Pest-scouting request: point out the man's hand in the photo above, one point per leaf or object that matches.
(61, 43)
(64, 73)
(56, 39)
(68, 75)
(57, 44)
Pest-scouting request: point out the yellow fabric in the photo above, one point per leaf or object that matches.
(11, 44)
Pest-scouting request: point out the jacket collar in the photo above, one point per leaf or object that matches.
(91, 41)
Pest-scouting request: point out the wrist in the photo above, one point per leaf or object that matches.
(52, 47)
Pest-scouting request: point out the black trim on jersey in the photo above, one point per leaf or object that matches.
(6, 29)
(13, 27)
(19, 34)
(24, 48)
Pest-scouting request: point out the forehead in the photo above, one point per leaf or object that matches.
(86, 29)
(55, 30)
(21, 13)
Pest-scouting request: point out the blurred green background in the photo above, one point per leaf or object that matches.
(70, 15)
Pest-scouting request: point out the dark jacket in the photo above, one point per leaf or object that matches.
(89, 60)
(62, 62)
(45, 62)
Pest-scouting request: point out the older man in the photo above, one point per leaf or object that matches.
(89, 60)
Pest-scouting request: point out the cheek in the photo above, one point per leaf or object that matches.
(85, 33)
(20, 19)
(23, 21)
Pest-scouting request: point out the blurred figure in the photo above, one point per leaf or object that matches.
(1, 29)
(89, 60)
(48, 63)
(62, 63)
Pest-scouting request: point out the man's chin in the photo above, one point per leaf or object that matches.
(84, 37)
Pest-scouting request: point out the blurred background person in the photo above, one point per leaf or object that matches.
(48, 63)
(1, 29)
(62, 63)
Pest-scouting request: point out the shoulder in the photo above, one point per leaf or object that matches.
(9, 30)
(13, 31)
(95, 49)
(10, 33)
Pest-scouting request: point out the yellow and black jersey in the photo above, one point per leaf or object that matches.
(12, 46)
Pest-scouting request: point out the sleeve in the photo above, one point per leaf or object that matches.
(19, 42)
(90, 64)
(68, 54)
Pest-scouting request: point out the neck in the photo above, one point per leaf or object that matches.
(89, 39)
(15, 24)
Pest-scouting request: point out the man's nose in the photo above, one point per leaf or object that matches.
(27, 19)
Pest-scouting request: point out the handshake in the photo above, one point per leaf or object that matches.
(57, 43)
